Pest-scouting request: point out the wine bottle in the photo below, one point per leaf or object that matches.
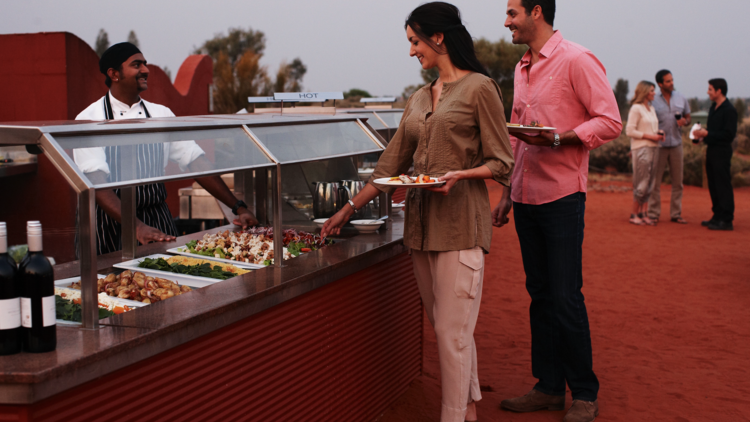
(10, 300)
(38, 295)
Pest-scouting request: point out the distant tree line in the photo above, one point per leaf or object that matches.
(102, 44)
(238, 73)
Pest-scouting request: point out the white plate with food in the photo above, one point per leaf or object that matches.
(186, 279)
(518, 128)
(404, 181)
(184, 251)
(67, 284)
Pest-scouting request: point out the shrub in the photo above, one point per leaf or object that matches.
(612, 156)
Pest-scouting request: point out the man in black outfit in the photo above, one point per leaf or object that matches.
(718, 135)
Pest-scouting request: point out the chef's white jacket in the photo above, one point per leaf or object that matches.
(94, 159)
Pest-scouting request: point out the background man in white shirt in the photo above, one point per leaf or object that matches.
(126, 74)
(668, 105)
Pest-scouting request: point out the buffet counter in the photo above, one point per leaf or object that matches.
(339, 325)
(333, 334)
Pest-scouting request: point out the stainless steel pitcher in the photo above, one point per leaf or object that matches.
(354, 187)
(327, 198)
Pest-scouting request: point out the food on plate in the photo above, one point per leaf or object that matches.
(513, 124)
(71, 310)
(395, 180)
(136, 286)
(405, 179)
(255, 245)
(199, 268)
(425, 179)
(187, 261)
(535, 124)
(68, 304)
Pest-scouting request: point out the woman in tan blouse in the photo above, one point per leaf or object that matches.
(452, 129)
(643, 127)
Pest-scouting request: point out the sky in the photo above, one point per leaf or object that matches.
(361, 44)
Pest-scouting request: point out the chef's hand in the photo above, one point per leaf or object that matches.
(147, 234)
(333, 225)
(500, 213)
(544, 139)
(450, 179)
(245, 218)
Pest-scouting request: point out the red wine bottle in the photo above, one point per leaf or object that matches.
(38, 295)
(10, 300)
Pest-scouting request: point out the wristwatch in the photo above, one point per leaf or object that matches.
(239, 204)
(557, 141)
(352, 205)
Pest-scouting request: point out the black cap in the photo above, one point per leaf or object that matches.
(116, 55)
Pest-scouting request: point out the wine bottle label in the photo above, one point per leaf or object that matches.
(10, 313)
(48, 311)
(26, 312)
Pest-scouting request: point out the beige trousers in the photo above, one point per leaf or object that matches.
(643, 173)
(451, 287)
(673, 156)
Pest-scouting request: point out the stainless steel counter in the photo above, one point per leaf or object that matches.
(83, 355)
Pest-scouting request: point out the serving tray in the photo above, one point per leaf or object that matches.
(244, 265)
(188, 280)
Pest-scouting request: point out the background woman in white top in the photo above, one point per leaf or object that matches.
(643, 129)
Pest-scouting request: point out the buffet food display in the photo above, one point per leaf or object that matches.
(253, 246)
(243, 145)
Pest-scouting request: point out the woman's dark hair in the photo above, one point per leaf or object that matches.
(439, 17)
(719, 84)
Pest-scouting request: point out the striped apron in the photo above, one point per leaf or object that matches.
(151, 207)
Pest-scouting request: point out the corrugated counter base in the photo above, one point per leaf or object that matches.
(342, 352)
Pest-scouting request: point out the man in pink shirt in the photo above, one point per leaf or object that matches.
(562, 85)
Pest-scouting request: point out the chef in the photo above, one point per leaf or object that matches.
(126, 75)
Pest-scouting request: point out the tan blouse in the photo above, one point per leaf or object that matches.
(466, 130)
(640, 122)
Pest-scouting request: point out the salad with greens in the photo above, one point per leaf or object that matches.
(199, 270)
(254, 246)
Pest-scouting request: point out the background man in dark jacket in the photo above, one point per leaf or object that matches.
(718, 135)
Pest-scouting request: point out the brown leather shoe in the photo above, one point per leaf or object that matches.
(533, 401)
(582, 411)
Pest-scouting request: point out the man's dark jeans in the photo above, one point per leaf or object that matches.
(551, 237)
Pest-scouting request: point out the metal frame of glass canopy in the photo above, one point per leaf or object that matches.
(262, 135)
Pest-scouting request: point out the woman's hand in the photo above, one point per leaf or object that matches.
(450, 179)
(333, 225)
(653, 137)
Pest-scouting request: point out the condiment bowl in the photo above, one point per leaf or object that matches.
(367, 226)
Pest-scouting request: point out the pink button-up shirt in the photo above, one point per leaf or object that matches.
(566, 89)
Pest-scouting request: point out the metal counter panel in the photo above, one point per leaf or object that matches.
(340, 352)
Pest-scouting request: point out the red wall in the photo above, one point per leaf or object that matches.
(54, 76)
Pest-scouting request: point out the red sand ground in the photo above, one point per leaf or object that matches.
(669, 308)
